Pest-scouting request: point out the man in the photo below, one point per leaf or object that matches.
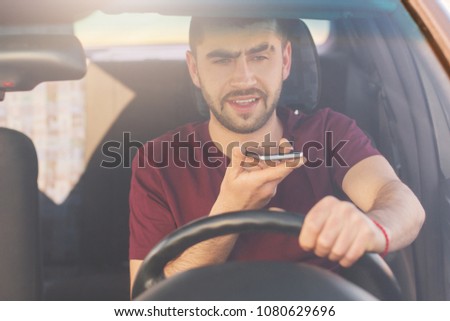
(240, 65)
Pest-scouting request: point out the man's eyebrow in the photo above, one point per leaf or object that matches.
(223, 53)
(260, 48)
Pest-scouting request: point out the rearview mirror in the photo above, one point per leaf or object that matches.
(28, 60)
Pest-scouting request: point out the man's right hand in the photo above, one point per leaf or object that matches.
(243, 188)
(251, 187)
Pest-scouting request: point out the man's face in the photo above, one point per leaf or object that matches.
(240, 72)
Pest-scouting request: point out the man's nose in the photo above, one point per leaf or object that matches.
(243, 75)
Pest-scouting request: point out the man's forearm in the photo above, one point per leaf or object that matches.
(213, 251)
(399, 211)
(209, 252)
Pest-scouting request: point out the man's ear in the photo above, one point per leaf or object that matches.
(287, 60)
(192, 66)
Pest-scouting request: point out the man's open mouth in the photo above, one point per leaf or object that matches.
(244, 102)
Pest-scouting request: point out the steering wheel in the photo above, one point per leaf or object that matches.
(368, 279)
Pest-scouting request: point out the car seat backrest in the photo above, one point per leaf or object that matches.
(20, 267)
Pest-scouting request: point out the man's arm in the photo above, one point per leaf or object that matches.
(342, 231)
(241, 189)
(134, 268)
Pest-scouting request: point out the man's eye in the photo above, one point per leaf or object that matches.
(222, 61)
(259, 58)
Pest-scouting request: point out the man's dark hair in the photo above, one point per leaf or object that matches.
(200, 24)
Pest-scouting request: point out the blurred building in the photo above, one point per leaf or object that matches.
(53, 115)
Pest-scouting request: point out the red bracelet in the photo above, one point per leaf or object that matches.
(386, 248)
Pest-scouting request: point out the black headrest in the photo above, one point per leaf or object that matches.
(301, 89)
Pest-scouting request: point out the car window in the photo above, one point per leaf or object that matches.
(445, 4)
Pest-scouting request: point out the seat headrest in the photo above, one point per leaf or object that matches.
(301, 89)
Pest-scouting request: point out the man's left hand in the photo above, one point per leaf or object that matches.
(339, 231)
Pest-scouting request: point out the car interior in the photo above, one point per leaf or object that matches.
(373, 67)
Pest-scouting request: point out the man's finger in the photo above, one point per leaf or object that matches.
(354, 251)
(343, 243)
(275, 173)
(315, 221)
(328, 235)
(285, 146)
(276, 209)
(294, 163)
(237, 159)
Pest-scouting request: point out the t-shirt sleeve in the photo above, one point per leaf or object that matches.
(348, 145)
(150, 216)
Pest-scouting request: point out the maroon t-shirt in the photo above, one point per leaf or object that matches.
(176, 179)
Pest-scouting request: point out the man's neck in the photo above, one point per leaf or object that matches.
(223, 137)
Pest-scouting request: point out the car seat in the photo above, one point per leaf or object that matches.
(20, 267)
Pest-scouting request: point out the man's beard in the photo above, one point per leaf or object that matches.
(232, 126)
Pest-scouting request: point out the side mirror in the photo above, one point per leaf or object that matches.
(28, 60)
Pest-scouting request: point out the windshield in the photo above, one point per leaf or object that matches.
(374, 64)
(445, 4)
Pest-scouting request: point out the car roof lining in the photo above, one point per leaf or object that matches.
(237, 8)
(60, 12)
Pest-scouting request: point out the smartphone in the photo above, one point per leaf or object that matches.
(275, 157)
